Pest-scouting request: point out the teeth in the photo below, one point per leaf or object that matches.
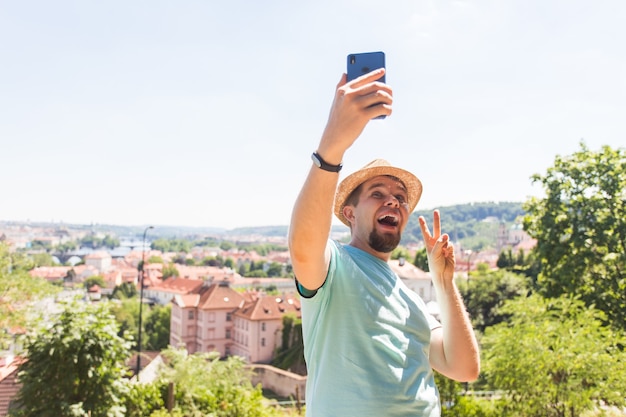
(390, 218)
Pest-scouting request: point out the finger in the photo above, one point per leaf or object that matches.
(436, 223)
(342, 81)
(367, 78)
(425, 232)
(372, 88)
(376, 97)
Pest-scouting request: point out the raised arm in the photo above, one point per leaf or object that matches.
(354, 105)
(453, 347)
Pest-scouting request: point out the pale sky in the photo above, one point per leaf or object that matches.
(205, 113)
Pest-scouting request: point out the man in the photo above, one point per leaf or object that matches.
(370, 345)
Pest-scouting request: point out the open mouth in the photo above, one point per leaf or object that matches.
(388, 220)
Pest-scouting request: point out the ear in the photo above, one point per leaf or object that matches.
(348, 213)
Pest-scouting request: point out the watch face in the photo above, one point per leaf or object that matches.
(316, 161)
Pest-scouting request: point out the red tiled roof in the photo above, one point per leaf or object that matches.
(268, 307)
(9, 387)
(219, 297)
(177, 285)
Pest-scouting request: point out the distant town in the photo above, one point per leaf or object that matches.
(229, 292)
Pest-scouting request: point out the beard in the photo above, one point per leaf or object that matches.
(384, 243)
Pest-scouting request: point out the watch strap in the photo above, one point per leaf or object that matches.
(321, 164)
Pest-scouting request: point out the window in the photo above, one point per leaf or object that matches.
(262, 327)
(190, 315)
(262, 341)
(211, 317)
(227, 333)
(228, 317)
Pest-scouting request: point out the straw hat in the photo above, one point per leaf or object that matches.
(374, 169)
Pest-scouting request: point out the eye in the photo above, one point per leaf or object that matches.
(401, 199)
(377, 194)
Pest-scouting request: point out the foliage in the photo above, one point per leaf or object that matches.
(205, 385)
(126, 313)
(468, 406)
(95, 242)
(554, 357)
(580, 227)
(520, 263)
(275, 270)
(42, 259)
(474, 224)
(421, 259)
(155, 260)
(94, 280)
(124, 290)
(18, 291)
(485, 294)
(157, 327)
(172, 245)
(290, 355)
(75, 366)
(256, 273)
(170, 271)
(144, 399)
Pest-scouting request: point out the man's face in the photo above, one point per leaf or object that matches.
(381, 213)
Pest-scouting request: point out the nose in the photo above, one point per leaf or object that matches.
(392, 201)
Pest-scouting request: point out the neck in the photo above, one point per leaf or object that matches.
(365, 247)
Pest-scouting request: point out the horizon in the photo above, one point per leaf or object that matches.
(199, 114)
(223, 229)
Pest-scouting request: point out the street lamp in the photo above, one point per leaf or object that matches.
(141, 271)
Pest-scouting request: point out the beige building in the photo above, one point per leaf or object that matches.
(99, 260)
(203, 320)
(258, 326)
(215, 317)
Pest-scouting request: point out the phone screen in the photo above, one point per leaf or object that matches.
(362, 63)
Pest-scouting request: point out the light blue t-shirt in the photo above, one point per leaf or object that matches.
(366, 342)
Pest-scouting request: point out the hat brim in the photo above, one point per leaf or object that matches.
(352, 181)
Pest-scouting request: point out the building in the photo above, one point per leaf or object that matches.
(414, 278)
(163, 292)
(215, 317)
(203, 320)
(99, 260)
(258, 326)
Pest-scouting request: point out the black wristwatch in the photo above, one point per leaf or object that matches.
(321, 164)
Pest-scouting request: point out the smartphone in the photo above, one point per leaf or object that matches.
(361, 64)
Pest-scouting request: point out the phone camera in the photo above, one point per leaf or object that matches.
(352, 59)
(365, 70)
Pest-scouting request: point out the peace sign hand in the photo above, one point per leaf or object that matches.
(440, 251)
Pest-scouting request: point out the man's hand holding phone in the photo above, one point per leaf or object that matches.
(356, 102)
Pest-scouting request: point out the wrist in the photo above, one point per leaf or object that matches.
(324, 164)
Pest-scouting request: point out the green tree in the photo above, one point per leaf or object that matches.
(18, 291)
(229, 263)
(400, 252)
(206, 385)
(155, 260)
(124, 290)
(75, 367)
(421, 259)
(42, 259)
(275, 270)
(170, 271)
(110, 242)
(485, 294)
(157, 327)
(94, 280)
(126, 313)
(554, 358)
(580, 229)
(290, 354)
